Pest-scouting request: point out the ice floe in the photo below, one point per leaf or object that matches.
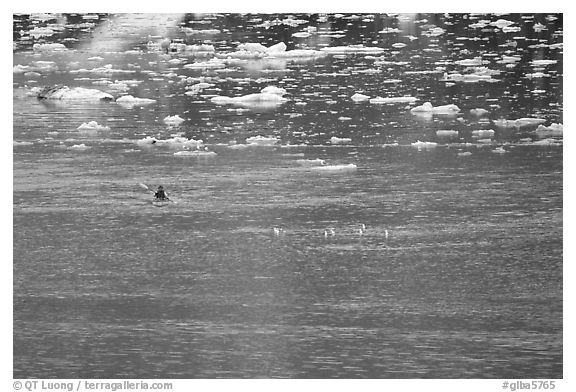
(361, 49)
(359, 97)
(93, 126)
(445, 133)
(483, 133)
(105, 69)
(130, 101)
(467, 78)
(49, 47)
(311, 162)
(262, 140)
(479, 112)
(340, 140)
(429, 108)
(554, 130)
(65, 93)
(380, 100)
(501, 23)
(424, 145)
(79, 147)
(178, 142)
(476, 61)
(519, 123)
(270, 96)
(173, 121)
(345, 168)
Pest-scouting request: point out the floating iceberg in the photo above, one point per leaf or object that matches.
(210, 64)
(262, 140)
(54, 47)
(359, 97)
(466, 78)
(380, 100)
(351, 167)
(479, 112)
(547, 142)
(541, 63)
(311, 162)
(93, 126)
(554, 130)
(338, 140)
(130, 101)
(483, 133)
(106, 69)
(424, 145)
(176, 142)
(173, 121)
(361, 49)
(270, 96)
(519, 123)
(476, 61)
(446, 133)
(79, 147)
(64, 93)
(501, 23)
(428, 108)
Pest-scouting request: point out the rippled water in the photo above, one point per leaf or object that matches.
(457, 275)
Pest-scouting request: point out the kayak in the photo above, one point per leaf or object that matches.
(160, 203)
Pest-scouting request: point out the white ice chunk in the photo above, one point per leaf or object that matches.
(554, 130)
(352, 49)
(340, 140)
(424, 145)
(74, 94)
(351, 167)
(79, 147)
(93, 126)
(479, 112)
(177, 142)
(540, 63)
(311, 162)
(483, 133)
(428, 108)
(359, 97)
(262, 140)
(476, 61)
(54, 47)
(446, 133)
(173, 121)
(466, 78)
(380, 100)
(270, 96)
(501, 23)
(130, 101)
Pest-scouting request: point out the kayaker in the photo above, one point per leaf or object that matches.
(161, 194)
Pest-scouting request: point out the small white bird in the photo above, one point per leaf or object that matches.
(329, 232)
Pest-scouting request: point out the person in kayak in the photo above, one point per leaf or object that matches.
(161, 194)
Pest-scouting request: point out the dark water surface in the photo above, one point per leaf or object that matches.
(457, 275)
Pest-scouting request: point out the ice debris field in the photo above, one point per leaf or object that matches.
(202, 85)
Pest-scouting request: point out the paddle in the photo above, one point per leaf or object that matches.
(145, 187)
